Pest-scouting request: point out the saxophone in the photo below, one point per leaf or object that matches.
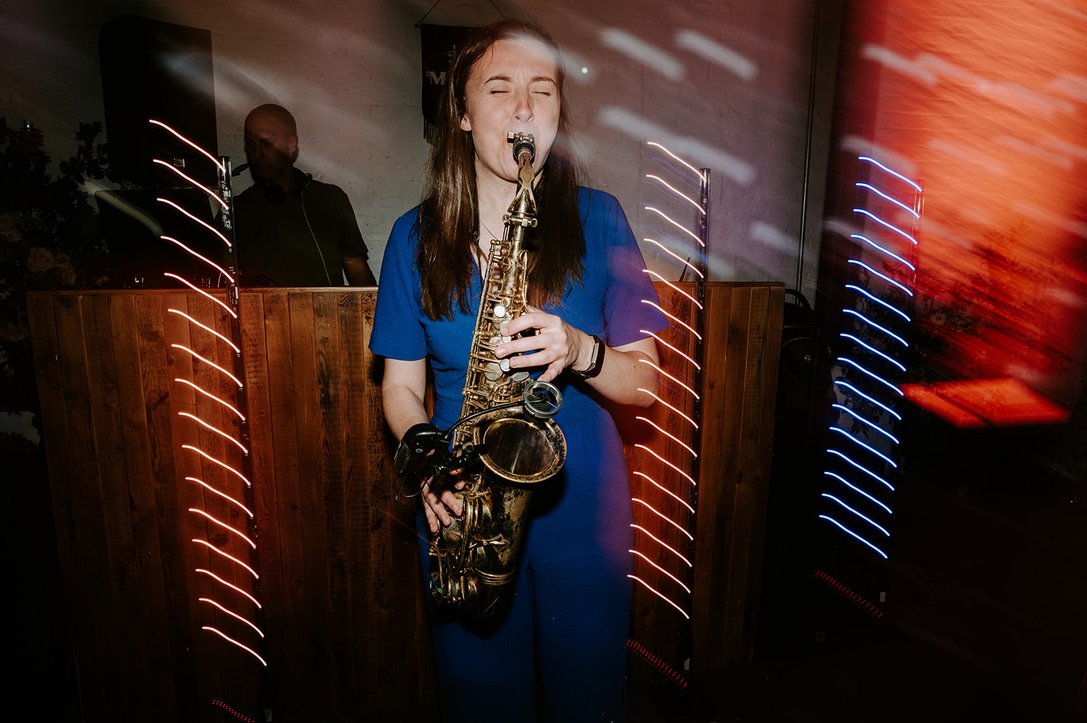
(506, 439)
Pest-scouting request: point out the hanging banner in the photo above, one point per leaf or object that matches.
(438, 42)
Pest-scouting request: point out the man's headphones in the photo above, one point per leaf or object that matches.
(277, 196)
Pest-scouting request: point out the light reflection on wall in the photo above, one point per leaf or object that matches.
(988, 101)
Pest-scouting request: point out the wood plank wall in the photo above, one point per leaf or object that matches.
(342, 607)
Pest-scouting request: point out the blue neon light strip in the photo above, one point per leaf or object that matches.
(861, 419)
(895, 201)
(857, 489)
(861, 515)
(873, 400)
(885, 224)
(882, 250)
(862, 468)
(896, 174)
(886, 278)
(881, 302)
(869, 447)
(872, 349)
(885, 330)
(853, 534)
(857, 366)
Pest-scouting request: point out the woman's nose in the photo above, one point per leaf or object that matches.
(522, 110)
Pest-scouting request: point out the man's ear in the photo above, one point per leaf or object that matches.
(292, 146)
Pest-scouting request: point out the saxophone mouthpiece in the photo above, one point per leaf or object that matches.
(522, 143)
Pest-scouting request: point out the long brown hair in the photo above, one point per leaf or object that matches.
(447, 213)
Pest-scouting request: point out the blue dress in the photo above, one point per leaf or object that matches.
(569, 615)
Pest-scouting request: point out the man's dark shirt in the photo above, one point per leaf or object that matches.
(275, 245)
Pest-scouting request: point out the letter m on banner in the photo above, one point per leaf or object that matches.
(438, 43)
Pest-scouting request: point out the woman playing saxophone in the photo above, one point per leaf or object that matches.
(584, 329)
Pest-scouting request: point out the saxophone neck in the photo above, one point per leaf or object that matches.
(522, 211)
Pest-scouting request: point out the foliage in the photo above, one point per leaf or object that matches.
(49, 239)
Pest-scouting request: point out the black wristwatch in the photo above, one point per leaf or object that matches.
(597, 362)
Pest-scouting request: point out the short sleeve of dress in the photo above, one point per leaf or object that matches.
(398, 320)
(631, 307)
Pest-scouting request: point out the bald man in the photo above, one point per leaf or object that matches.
(293, 230)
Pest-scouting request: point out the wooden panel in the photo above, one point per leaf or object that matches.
(343, 605)
(741, 360)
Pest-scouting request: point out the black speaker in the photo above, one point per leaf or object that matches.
(161, 71)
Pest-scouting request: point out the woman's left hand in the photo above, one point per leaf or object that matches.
(555, 344)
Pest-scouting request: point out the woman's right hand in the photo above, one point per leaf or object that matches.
(443, 507)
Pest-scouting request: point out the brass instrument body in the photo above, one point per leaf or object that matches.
(476, 556)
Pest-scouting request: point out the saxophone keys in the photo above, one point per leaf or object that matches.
(499, 311)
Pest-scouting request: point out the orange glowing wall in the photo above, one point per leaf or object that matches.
(984, 104)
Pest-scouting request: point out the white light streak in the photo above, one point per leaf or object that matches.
(225, 466)
(209, 362)
(853, 534)
(864, 421)
(886, 225)
(858, 490)
(895, 201)
(200, 221)
(670, 436)
(642, 52)
(670, 576)
(664, 517)
(192, 181)
(896, 174)
(674, 409)
(669, 464)
(234, 642)
(867, 471)
(226, 497)
(675, 256)
(869, 447)
(663, 544)
(676, 158)
(882, 250)
(666, 375)
(872, 349)
(679, 193)
(873, 400)
(231, 613)
(210, 157)
(717, 54)
(879, 527)
(678, 225)
(203, 258)
(886, 278)
(674, 318)
(873, 324)
(232, 586)
(233, 559)
(241, 535)
(198, 290)
(664, 489)
(666, 345)
(208, 329)
(211, 396)
(650, 588)
(881, 302)
(215, 430)
(674, 288)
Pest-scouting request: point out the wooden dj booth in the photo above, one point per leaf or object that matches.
(338, 585)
